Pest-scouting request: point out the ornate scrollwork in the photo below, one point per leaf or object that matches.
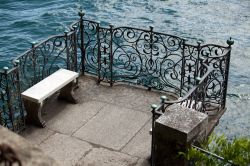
(90, 36)
(45, 58)
(217, 57)
(146, 58)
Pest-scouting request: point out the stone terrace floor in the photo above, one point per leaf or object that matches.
(108, 127)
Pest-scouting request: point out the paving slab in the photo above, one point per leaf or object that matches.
(140, 145)
(136, 98)
(36, 135)
(65, 149)
(71, 117)
(90, 90)
(104, 157)
(113, 127)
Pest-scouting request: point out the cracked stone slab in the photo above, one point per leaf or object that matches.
(90, 90)
(70, 117)
(36, 135)
(140, 145)
(113, 127)
(136, 98)
(104, 157)
(65, 149)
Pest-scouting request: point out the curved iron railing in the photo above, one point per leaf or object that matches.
(40, 61)
(152, 59)
(47, 57)
(125, 54)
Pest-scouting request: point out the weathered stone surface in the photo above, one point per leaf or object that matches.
(36, 135)
(29, 154)
(104, 157)
(174, 132)
(143, 162)
(65, 149)
(181, 123)
(68, 118)
(112, 127)
(138, 98)
(89, 90)
(140, 145)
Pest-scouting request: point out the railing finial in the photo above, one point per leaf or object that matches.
(154, 106)
(230, 42)
(66, 32)
(16, 62)
(5, 69)
(81, 14)
(163, 99)
(33, 44)
(74, 27)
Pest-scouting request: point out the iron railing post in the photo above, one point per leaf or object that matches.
(16, 64)
(197, 63)
(33, 45)
(75, 48)
(81, 14)
(111, 55)
(163, 99)
(151, 28)
(182, 66)
(153, 106)
(98, 52)
(230, 42)
(67, 49)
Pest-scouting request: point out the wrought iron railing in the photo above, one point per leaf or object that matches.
(47, 57)
(151, 59)
(125, 54)
(29, 68)
(11, 109)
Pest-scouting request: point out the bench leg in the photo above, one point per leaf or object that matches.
(34, 113)
(66, 93)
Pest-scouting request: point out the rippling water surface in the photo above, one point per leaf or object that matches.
(211, 21)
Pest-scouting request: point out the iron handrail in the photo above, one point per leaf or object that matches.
(214, 155)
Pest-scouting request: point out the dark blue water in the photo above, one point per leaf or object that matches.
(211, 21)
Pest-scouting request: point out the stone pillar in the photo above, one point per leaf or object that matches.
(174, 132)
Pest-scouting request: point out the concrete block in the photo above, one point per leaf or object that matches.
(104, 157)
(112, 127)
(174, 132)
(65, 149)
(181, 123)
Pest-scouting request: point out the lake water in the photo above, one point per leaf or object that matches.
(211, 21)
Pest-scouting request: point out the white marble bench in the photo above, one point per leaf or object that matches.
(34, 97)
